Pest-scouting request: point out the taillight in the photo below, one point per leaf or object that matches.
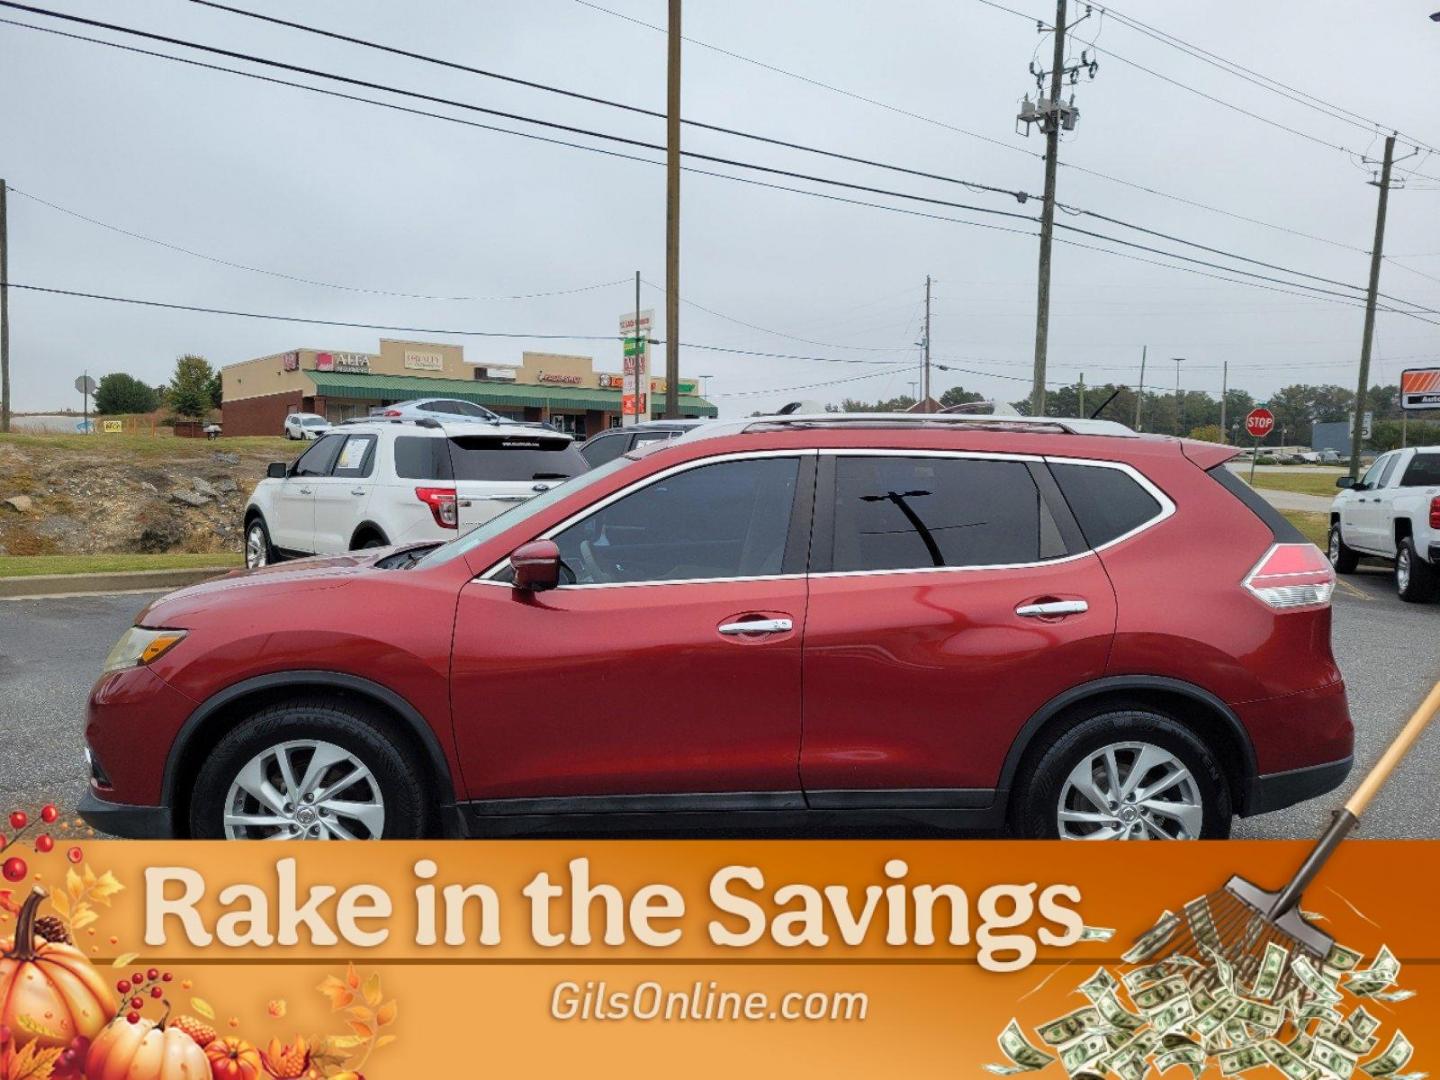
(1292, 576)
(1435, 512)
(391, 412)
(442, 504)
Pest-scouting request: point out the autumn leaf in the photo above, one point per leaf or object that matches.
(360, 1012)
(365, 1031)
(35, 1027)
(372, 989)
(386, 1013)
(339, 994)
(82, 917)
(33, 1063)
(88, 876)
(344, 1042)
(60, 902)
(124, 959)
(203, 1007)
(384, 1040)
(105, 887)
(352, 977)
(73, 885)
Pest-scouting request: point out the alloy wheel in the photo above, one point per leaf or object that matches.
(304, 789)
(257, 552)
(1333, 549)
(1130, 791)
(1402, 569)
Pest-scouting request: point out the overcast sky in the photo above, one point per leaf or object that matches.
(374, 199)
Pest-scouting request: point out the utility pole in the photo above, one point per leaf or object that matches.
(1179, 401)
(672, 217)
(1376, 254)
(925, 386)
(1140, 390)
(4, 316)
(1224, 389)
(1082, 393)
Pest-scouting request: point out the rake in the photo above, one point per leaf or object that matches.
(1238, 922)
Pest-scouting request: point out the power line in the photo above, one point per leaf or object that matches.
(301, 280)
(814, 386)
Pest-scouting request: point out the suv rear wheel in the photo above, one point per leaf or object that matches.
(309, 770)
(1414, 577)
(1124, 774)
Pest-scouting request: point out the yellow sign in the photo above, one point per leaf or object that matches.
(112, 427)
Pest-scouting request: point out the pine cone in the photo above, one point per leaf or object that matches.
(52, 929)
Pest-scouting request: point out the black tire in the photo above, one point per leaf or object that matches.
(262, 552)
(369, 540)
(1036, 805)
(1343, 558)
(364, 734)
(1414, 577)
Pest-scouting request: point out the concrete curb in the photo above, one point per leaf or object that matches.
(120, 581)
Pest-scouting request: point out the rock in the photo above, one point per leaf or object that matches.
(224, 457)
(203, 487)
(159, 536)
(145, 485)
(228, 486)
(190, 498)
(21, 504)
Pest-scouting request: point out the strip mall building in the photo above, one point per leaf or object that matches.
(566, 391)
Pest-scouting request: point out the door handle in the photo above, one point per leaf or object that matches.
(757, 626)
(1050, 608)
(357, 491)
(307, 491)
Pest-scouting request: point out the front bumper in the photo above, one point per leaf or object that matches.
(1276, 791)
(127, 820)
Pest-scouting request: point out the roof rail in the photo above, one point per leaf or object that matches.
(1054, 424)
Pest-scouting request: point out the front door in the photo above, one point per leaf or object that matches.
(294, 526)
(340, 498)
(1362, 527)
(948, 604)
(664, 672)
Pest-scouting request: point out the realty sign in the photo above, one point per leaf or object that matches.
(634, 396)
(1420, 388)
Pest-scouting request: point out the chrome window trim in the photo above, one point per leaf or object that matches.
(487, 577)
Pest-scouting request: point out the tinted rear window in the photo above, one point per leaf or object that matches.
(1423, 471)
(1106, 502)
(518, 458)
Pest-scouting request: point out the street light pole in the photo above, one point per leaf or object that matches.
(1179, 401)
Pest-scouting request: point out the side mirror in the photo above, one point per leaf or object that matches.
(277, 470)
(1345, 482)
(536, 565)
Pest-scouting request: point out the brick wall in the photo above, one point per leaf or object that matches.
(259, 415)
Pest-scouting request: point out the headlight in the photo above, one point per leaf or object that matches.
(139, 645)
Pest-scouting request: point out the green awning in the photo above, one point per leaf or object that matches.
(494, 394)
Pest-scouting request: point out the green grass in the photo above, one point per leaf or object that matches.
(166, 446)
(31, 565)
(1304, 482)
(1315, 527)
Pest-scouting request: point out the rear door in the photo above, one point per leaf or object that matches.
(341, 497)
(294, 526)
(493, 472)
(951, 596)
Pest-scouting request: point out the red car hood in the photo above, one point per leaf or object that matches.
(292, 578)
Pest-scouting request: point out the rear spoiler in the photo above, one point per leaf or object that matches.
(1207, 454)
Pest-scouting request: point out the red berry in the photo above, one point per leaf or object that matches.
(48, 813)
(44, 843)
(138, 978)
(152, 974)
(166, 977)
(15, 869)
(19, 819)
(123, 986)
(133, 1017)
(156, 991)
(137, 1002)
(74, 854)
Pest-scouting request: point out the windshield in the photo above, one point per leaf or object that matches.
(521, 512)
(314, 421)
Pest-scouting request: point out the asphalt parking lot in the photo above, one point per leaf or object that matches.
(51, 649)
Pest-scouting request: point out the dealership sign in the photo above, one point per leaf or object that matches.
(1420, 388)
(424, 361)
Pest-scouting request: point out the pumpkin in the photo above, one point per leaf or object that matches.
(49, 984)
(233, 1059)
(145, 1050)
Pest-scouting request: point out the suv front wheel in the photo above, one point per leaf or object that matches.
(309, 769)
(1124, 774)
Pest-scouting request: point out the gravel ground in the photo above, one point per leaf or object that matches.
(51, 649)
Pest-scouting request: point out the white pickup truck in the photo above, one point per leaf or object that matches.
(1392, 512)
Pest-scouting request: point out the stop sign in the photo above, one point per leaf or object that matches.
(1259, 423)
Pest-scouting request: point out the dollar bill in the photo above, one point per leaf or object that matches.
(1116, 1015)
(1345, 1037)
(1396, 1056)
(1160, 994)
(1083, 1052)
(1023, 1056)
(1096, 933)
(1267, 1017)
(1193, 1057)
(1242, 1059)
(1332, 1059)
(1213, 1018)
(1223, 971)
(1272, 966)
(1102, 982)
(1069, 1027)
(1153, 940)
(1391, 996)
(1302, 1044)
(1361, 1022)
(1342, 959)
(1318, 986)
(1287, 1061)
(1142, 976)
(1173, 1015)
(1382, 973)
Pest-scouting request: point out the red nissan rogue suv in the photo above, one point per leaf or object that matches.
(1057, 626)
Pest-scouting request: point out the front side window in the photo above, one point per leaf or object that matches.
(604, 448)
(356, 458)
(1372, 474)
(1423, 471)
(900, 513)
(319, 458)
(1390, 461)
(726, 520)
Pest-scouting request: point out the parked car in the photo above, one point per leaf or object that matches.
(1055, 625)
(370, 485)
(437, 409)
(1332, 457)
(305, 425)
(611, 443)
(1393, 513)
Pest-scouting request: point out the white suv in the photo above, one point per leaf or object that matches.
(376, 483)
(305, 425)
